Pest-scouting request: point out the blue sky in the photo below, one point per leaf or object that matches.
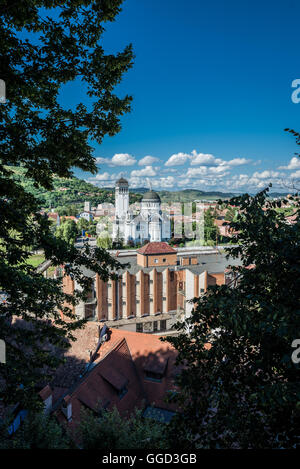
(212, 86)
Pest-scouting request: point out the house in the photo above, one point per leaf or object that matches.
(113, 368)
(70, 217)
(156, 254)
(87, 216)
(54, 217)
(292, 219)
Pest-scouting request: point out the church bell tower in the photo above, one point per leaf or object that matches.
(121, 197)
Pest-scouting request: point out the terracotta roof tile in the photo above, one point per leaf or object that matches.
(45, 392)
(121, 363)
(156, 248)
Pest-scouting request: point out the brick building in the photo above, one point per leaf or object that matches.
(153, 292)
(156, 254)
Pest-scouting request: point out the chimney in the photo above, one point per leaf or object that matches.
(66, 408)
(46, 396)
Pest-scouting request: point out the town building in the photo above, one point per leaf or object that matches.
(150, 224)
(88, 216)
(116, 368)
(154, 292)
(54, 217)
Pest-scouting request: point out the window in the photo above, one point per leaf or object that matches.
(116, 380)
(156, 261)
(122, 392)
(164, 260)
(137, 302)
(151, 281)
(139, 327)
(163, 325)
(89, 311)
(124, 284)
(201, 290)
(151, 300)
(109, 285)
(151, 376)
(154, 326)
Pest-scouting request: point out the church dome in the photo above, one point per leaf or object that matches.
(122, 181)
(151, 196)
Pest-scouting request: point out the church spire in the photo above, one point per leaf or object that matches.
(149, 184)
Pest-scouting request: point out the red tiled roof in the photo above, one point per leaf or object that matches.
(156, 364)
(121, 361)
(156, 248)
(45, 392)
(221, 222)
(70, 217)
(114, 377)
(53, 215)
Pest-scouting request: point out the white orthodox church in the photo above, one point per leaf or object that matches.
(150, 224)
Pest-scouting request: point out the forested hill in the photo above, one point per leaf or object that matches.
(189, 195)
(68, 191)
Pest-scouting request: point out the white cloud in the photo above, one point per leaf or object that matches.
(238, 161)
(296, 174)
(148, 160)
(220, 171)
(147, 171)
(177, 159)
(137, 182)
(169, 170)
(195, 172)
(165, 182)
(101, 160)
(184, 182)
(293, 164)
(116, 176)
(266, 174)
(204, 159)
(123, 159)
(119, 159)
(102, 177)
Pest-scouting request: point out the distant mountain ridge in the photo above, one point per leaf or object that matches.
(194, 194)
(75, 191)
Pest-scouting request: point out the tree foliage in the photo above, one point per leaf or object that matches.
(211, 231)
(110, 430)
(67, 231)
(45, 45)
(38, 431)
(244, 390)
(104, 240)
